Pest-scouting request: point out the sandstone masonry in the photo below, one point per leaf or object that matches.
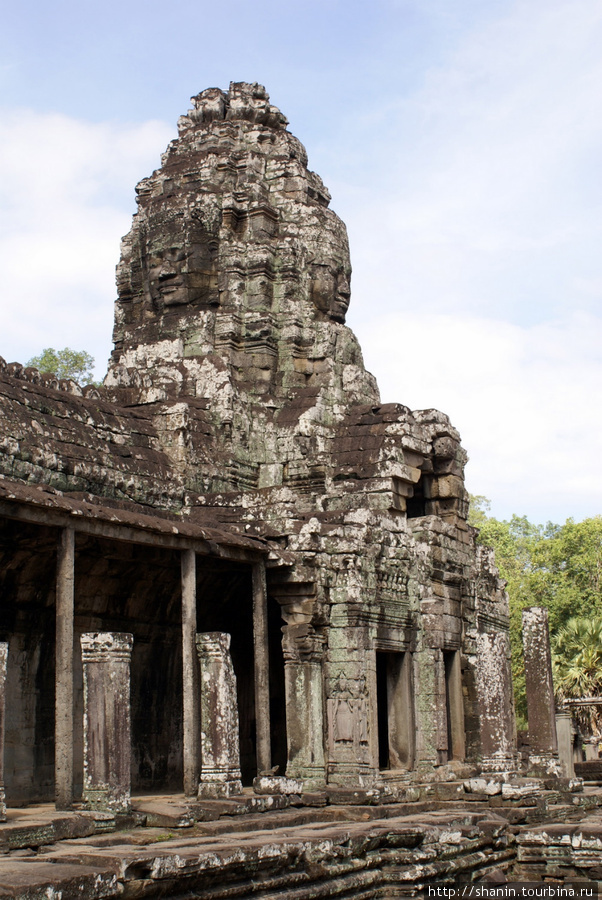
(238, 477)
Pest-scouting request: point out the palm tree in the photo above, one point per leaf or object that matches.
(577, 666)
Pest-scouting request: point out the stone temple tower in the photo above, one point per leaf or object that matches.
(233, 288)
(233, 283)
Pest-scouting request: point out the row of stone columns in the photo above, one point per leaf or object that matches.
(107, 721)
(106, 656)
(107, 728)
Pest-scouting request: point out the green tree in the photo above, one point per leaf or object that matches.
(574, 557)
(478, 509)
(514, 542)
(75, 364)
(555, 566)
(577, 664)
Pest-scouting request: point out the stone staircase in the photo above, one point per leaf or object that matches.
(334, 844)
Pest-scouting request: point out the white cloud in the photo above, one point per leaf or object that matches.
(67, 187)
(524, 399)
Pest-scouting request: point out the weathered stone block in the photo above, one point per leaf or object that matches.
(275, 784)
(486, 786)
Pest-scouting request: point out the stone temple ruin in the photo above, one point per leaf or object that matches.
(232, 575)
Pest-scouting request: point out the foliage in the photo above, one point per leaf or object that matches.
(555, 566)
(478, 510)
(577, 664)
(75, 364)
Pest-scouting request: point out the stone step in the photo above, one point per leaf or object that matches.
(41, 880)
(323, 858)
(35, 827)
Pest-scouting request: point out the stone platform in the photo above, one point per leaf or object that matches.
(275, 846)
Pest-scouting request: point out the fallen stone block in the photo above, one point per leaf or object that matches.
(490, 787)
(277, 784)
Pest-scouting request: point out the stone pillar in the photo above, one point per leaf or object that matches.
(590, 748)
(303, 652)
(190, 675)
(495, 698)
(543, 744)
(3, 662)
(107, 731)
(441, 709)
(63, 728)
(262, 670)
(220, 739)
(564, 734)
(351, 707)
(430, 720)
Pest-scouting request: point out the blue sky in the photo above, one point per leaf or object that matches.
(461, 141)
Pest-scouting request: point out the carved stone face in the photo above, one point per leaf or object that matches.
(330, 291)
(166, 276)
(182, 271)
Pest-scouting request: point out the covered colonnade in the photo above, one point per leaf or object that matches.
(106, 618)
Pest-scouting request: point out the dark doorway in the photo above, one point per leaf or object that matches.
(454, 707)
(382, 704)
(395, 707)
(416, 504)
(225, 604)
(27, 624)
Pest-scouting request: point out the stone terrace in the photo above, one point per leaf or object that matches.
(311, 846)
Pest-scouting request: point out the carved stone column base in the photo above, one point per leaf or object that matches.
(542, 764)
(499, 764)
(313, 777)
(215, 790)
(2, 804)
(350, 776)
(277, 784)
(107, 800)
